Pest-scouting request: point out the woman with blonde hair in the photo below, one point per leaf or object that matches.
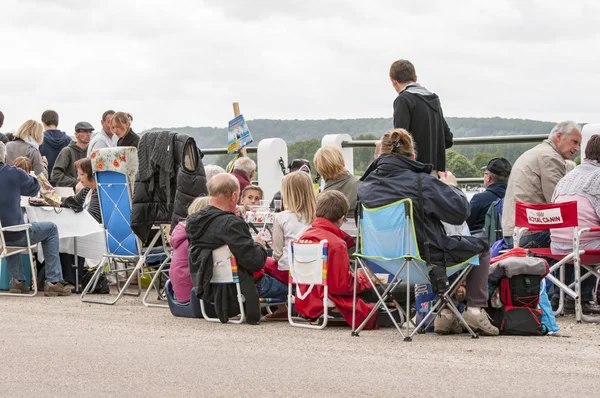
(330, 165)
(27, 144)
(120, 125)
(299, 208)
(179, 272)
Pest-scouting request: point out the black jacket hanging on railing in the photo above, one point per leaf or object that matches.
(170, 176)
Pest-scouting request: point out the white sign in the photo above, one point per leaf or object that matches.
(544, 217)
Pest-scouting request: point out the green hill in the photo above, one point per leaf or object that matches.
(304, 136)
(302, 130)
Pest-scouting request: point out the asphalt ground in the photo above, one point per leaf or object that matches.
(51, 347)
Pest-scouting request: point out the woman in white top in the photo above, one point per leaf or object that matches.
(299, 206)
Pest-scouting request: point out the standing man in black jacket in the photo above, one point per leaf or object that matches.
(419, 111)
(217, 225)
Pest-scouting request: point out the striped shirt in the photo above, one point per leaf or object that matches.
(92, 205)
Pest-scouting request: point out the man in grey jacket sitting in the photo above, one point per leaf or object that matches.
(534, 177)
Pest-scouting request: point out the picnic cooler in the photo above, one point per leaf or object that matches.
(5, 276)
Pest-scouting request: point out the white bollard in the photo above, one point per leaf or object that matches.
(269, 171)
(336, 140)
(587, 132)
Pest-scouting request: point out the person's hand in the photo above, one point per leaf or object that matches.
(447, 177)
(362, 271)
(259, 239)
(238, 211)
(45, 160)
(78, 187)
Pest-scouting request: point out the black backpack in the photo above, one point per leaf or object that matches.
(102, 286)
(519, 315)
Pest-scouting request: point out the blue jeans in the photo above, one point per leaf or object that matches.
(269, 287)
(47, 234)
(536, 240)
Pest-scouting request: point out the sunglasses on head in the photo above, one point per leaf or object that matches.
(298, 163)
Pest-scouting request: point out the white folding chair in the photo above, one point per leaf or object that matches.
(225, 271)
(542, 217)
(308, 268)
(7, 251)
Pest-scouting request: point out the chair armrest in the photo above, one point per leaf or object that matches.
(585, 230)
(17, 228)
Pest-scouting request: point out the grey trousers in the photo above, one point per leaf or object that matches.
(477, 282)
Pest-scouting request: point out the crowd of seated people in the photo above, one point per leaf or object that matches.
(540, 175)
(43, 149)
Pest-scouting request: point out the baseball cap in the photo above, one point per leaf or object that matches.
(499, 166)
(84, 126)
(297, 164)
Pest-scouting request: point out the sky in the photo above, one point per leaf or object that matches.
(184, 62)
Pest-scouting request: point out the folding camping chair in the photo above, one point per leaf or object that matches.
(7, 251)
(114, 170)
(225, 271)
(542, 217)
(308, 268)
(387, 243)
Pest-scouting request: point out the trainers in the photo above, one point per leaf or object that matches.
(18, 287)
(56, 289)
(446, 323)
(480, 323)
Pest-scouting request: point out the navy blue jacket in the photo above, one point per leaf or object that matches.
(480, 203)
(391, 178)
(54, 142)
(14, 182)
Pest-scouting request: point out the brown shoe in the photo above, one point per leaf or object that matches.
(480, 323)
(18, 287)
(56, 289)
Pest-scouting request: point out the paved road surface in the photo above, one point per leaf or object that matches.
(51, 347)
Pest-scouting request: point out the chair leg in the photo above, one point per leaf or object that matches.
(156, 277)
(96, 275)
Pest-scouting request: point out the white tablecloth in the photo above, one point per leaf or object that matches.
(72, 227)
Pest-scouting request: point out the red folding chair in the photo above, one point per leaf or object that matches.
(542, 217)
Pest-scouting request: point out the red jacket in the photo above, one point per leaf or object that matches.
(242, 178)
(340, 279)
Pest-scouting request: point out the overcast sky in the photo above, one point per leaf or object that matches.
(184, 62)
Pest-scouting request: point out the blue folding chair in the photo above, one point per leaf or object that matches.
(387, 243)
(114, 170)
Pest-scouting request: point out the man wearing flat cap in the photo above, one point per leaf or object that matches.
(64, 173)
(495, 177)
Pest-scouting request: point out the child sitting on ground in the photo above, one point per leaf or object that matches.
(298, 213)
(251, 196)
(179, 273)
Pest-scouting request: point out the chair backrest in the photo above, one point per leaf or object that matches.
(114, 170)
(541, 217)
(388, 231)
(493, 221)
(225, 269)
(308, 264)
